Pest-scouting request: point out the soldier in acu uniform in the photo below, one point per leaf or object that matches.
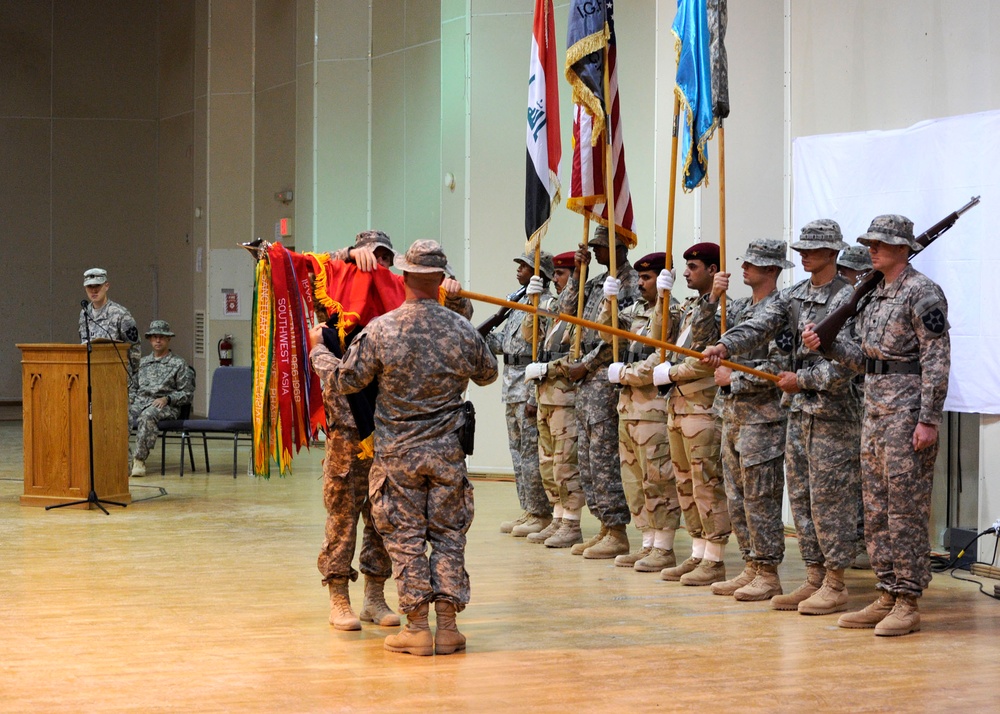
(108, 320)
(905, 355)
(423, 356)
(854, 263)
(164, 385)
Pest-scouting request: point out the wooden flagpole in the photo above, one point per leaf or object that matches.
(669, 249)
(609, 196)
(581, 281)
(534, 302)
(722, 218)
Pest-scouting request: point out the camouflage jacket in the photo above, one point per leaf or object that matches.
(113, 322)
(692, 389)
(167, 377)
(905, 321)
(423, 356)
(555, 389)
(639, 398)
(509, 339)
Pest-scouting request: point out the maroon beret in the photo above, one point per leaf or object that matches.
(707, 253)
(654, 262)
(565, 260)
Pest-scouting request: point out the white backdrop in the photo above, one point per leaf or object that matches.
(924, 172)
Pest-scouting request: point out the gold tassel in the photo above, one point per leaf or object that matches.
(367, 447)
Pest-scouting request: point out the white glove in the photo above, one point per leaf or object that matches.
(611, 287)
(665, 281)
(536, 370)
(615, 372)
(661, 374)
(536, 286)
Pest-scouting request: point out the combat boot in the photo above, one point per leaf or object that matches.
(375, 609)
(675, 573)
(707, 572)
(814, 580)
(138, 468)
(870, 616)
(550, 530)
(764, 586)
(568, 535)
(904, 618)
(533, 524)
(416, 637)
(657, 560)
(447, 638)
(342, 617)
(728, 587)
(614, 542)
(508, 526)
(593, 540)
(830, 598)
(629, 559)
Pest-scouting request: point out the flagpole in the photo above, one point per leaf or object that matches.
(671, 200)
(534, 302)
(609, 197)
(722, 218)
(581, 281)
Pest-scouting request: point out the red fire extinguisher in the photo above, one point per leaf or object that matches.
(226, 351)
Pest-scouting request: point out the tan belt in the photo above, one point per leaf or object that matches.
(699, 385)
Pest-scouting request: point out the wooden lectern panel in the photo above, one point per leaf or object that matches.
(56, 432)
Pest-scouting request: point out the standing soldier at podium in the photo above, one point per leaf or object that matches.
(108, 320)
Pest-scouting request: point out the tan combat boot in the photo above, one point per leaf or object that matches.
(657, 560)
(764, 586)
(870, 616)
(375, 609)
(593, 540)
(814, 580)
(904, 618)
(138, 468)
(508, 526)
(447, 638)
(728, 587)
(567, 536)
(614, 542)
(533, 524)
(707, 572)
(629, 559)
(550, 530)
(416, 637)
(342, 617)
(675, 573)
(830, 598)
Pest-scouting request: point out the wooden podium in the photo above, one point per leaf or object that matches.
(56, 438)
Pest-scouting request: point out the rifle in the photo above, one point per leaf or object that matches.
(494, 322)
(828, 329)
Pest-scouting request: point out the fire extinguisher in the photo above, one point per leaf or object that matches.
(226, 351)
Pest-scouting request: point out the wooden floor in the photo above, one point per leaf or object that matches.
(203, 595)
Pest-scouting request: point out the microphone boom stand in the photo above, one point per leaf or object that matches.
(92, 496)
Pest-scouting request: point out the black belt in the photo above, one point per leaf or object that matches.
(884, 366)
(551, 355)
(637, 356)
(590, 346)
(517, 360)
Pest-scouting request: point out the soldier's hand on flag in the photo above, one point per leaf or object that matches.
(364, 258)
(788, 382)
(582, 256)
(615, 372)
(536, 285)
(720, 284)
(316, 336)
(713, 356)
(665, 281)
(611, 287)
(577, 372)
(535, 370)
(451, 286)
(661, 374)
(723, 376)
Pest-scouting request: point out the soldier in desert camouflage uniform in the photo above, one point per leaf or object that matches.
(596, 414)
(905, 353)
(753, 426)
(164, 385)
(107, 320)
(821, 455)
(647, 472)
(694, 431)
(423, 356)
(554, 398)
(522, 429)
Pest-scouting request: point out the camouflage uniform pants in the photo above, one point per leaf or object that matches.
(694, 450)
(345, 495)
(648, 474)
(753, 471)
(821, 468)
(522, 438)
(143, 417)
(897, 491)
(597, 451)
(557, 456)
(421, 499)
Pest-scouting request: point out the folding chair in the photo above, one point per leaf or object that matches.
(229, 412)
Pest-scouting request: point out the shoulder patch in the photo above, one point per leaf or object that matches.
(132, 333)
(934, 320)
(785, 341)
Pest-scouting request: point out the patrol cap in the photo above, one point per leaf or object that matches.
(159, 327)
(601, 238)
(424, 256)
(373, 240)
(855, 257)
(545, 267)
(891, 229)
(822, 233)
(654, 262)
(95, 276)
(765, 252)
(707, 253)
(564, 260)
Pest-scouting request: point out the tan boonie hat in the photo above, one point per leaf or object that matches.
(855, 257)
(545, 266)
(891, 229)
(765, 252)
(373, 240)
(823, 233)
(601, 237)
(159, 327)
(95, 276)
(424, 256)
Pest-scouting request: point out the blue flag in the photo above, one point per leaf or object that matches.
(694, 89)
